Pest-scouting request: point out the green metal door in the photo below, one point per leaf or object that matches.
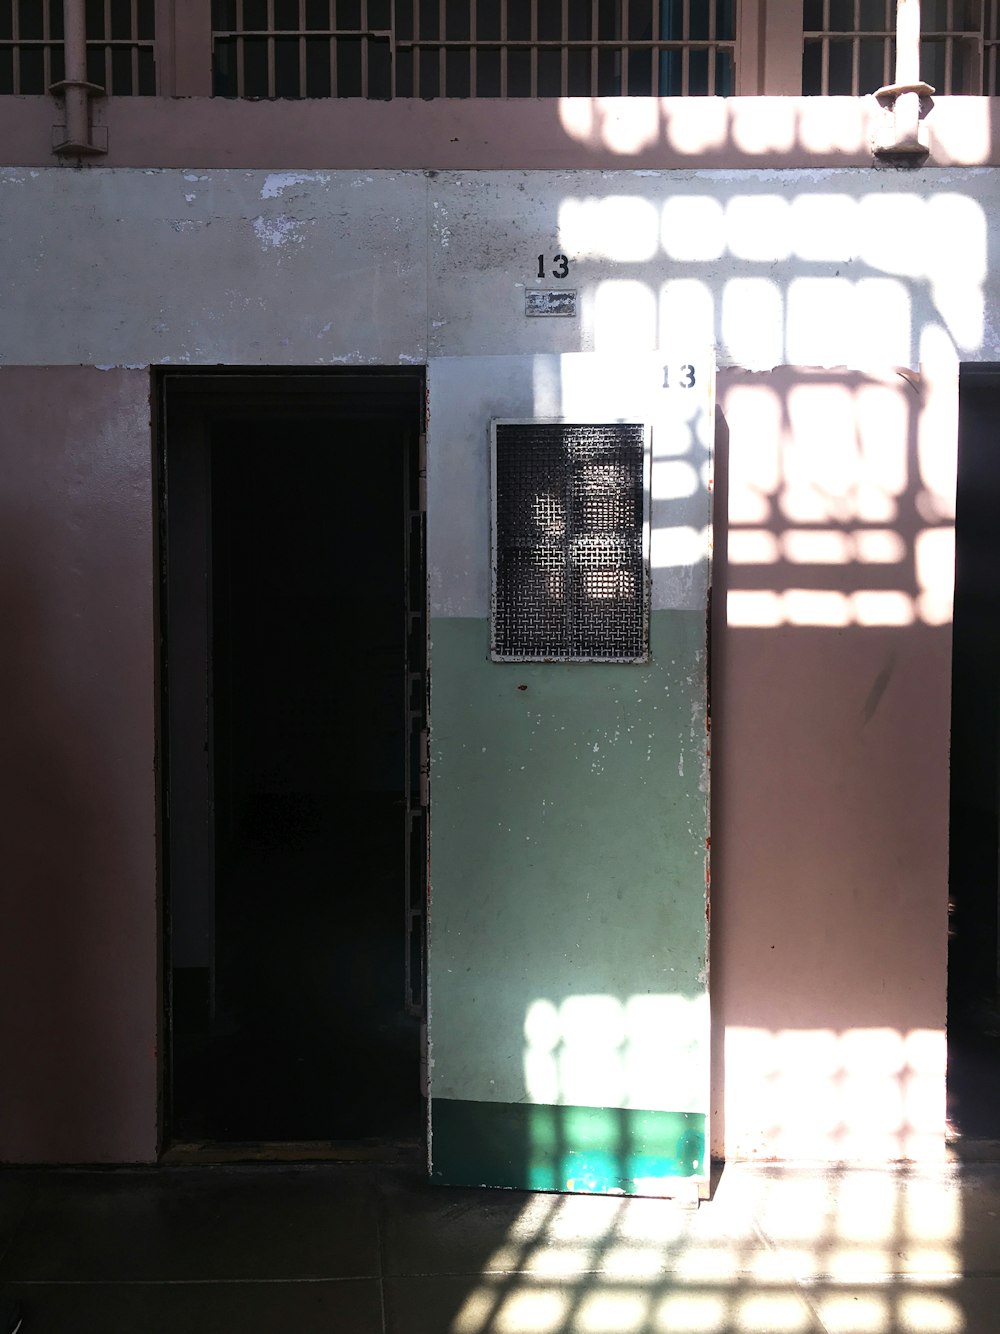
(569, 798)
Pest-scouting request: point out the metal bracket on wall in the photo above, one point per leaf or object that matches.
(902, 138)
(78, 136)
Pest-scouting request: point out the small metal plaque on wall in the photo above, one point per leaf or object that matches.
(538, 301)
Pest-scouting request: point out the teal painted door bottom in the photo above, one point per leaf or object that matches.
(600, 1150)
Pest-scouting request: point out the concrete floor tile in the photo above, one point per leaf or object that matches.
(978, 1303)
(17, 1193)
(251, 1223)
(439, 1230)
(864, 1226)
(978, 1244)
(867, 1225)
(351, 1306)
(966, 1306)
(802, 1251)
(447, 1230)
(591, 1304)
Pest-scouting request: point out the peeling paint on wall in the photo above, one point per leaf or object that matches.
(275, 233)
(278, 182)
(811, 267)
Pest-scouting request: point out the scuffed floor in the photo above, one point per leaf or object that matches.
(364, 1250)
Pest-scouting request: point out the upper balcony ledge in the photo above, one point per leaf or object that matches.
(544, 134)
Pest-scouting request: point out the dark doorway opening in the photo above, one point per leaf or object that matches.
(974, 956)
(293, 716)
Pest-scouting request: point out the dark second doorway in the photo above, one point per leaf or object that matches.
(294, 661)
(974, 944)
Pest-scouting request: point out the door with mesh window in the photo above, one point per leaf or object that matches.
(569, 539)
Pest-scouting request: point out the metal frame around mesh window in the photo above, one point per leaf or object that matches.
(569, 540)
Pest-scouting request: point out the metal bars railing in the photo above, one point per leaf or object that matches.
(990, 48)
(849, 46)
(473, 48)
(296, 48)
(120, 45)
(31, 55)
(565, 48)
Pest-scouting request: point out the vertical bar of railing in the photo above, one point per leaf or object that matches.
(983, 53)
(655, 31)
(824, 52)
(473, 50)
(503, 47)
(272, 82)
(856, 52)
(564, 50)
(533, 52)
(686, 50)
(46, 44)
(334, 62)
(990, 89)
(106, 49)
(364, 48)
(134, 30)
(594, 80)
(303, 69)
(442, 48)
(415, 29)
(240, 53)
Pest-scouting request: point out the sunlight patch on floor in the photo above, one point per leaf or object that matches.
(774, 1252)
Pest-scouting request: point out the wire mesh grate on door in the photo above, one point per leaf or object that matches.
(569, 574)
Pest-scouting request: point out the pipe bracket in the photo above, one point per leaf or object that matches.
(78, 137)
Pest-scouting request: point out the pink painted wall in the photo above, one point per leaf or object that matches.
(830, 737)
(532, 134)
(78, 941)
(831, 717)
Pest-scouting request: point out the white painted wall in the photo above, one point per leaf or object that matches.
(851, 267)
(831, 855)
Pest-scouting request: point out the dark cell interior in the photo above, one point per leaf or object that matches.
(973, 993)
(299, 1029)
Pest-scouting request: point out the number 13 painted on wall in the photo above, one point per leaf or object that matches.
(560, 266)
(686, 377)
